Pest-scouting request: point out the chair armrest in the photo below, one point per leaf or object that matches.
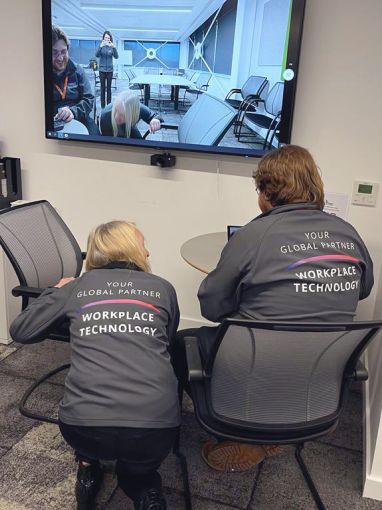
(249, 105)
(360, 372)
(21, 290)
(254, 98)
(194, 362)
(232, 92)
(164, 125)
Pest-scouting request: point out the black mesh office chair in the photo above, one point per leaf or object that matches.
(277, 383)
(42, 250)
(268, 119)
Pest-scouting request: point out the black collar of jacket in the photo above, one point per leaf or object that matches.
(120, 264)
(289, 207)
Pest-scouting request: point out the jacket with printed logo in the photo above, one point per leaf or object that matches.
(294, 262)
(122, 324)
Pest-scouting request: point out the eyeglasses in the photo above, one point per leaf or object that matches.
(61, 53)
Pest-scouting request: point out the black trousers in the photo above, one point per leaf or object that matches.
(206, 336)
(139, 452)
(105, 81)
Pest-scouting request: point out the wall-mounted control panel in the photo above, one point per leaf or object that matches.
(365, 193)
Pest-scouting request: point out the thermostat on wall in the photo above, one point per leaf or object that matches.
(365, 193)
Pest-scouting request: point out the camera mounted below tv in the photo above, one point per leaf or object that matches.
(165, 160)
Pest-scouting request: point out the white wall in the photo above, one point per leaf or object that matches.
(337, 116)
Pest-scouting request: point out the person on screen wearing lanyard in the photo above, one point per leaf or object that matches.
(72, 94)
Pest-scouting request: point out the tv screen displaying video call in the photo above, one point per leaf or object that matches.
(214, 76)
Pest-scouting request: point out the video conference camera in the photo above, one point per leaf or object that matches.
(163, 160)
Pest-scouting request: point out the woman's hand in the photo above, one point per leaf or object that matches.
(154, 125)
(64, 281)
(65, 114)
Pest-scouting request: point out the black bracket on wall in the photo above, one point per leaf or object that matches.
(164, 160)
(10, 172)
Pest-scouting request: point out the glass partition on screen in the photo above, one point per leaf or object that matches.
(203, 75)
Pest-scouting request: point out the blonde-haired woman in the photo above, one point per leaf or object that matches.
(120, 399)
(119, 118)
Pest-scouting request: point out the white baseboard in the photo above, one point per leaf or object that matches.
(372, 488)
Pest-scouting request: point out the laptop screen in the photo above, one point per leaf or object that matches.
(231, 229)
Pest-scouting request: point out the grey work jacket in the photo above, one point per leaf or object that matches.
(122, 323)
(294, 262)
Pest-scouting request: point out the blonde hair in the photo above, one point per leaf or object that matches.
(115, 241)
(130, 103)
(289, 175)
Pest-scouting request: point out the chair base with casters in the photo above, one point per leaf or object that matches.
(223, 392)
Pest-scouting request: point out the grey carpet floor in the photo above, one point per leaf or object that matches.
(37, 469)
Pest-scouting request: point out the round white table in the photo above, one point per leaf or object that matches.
(203, 252)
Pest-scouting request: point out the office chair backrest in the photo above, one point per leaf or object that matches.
(255, 85)
(270, 377)
(203, 80)
(274, 100)
(39, 245)
(206, 121)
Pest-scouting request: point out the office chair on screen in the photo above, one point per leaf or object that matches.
(201, 86)
(268, 119)
(277, 383)
(255, 88)
(42, 250)
(205, 123)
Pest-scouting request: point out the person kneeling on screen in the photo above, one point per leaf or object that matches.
(120, 117)
(72, 94)
(292, 262)
(120, 400)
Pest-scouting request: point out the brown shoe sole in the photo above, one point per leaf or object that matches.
(230, 456)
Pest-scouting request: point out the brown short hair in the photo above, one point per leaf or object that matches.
(57, 34)
(115, 241)
(288, 175)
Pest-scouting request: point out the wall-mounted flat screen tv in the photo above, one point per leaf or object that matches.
(213, 76)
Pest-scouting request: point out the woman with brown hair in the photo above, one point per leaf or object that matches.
(292, 262)
(106, 51)
(120, 401)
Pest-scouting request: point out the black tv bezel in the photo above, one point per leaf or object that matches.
(292, 62)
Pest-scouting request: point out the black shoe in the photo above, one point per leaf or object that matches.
(88, 482)
(153, 499)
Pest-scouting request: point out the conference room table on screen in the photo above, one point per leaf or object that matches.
(162, 79)
(203, 252)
